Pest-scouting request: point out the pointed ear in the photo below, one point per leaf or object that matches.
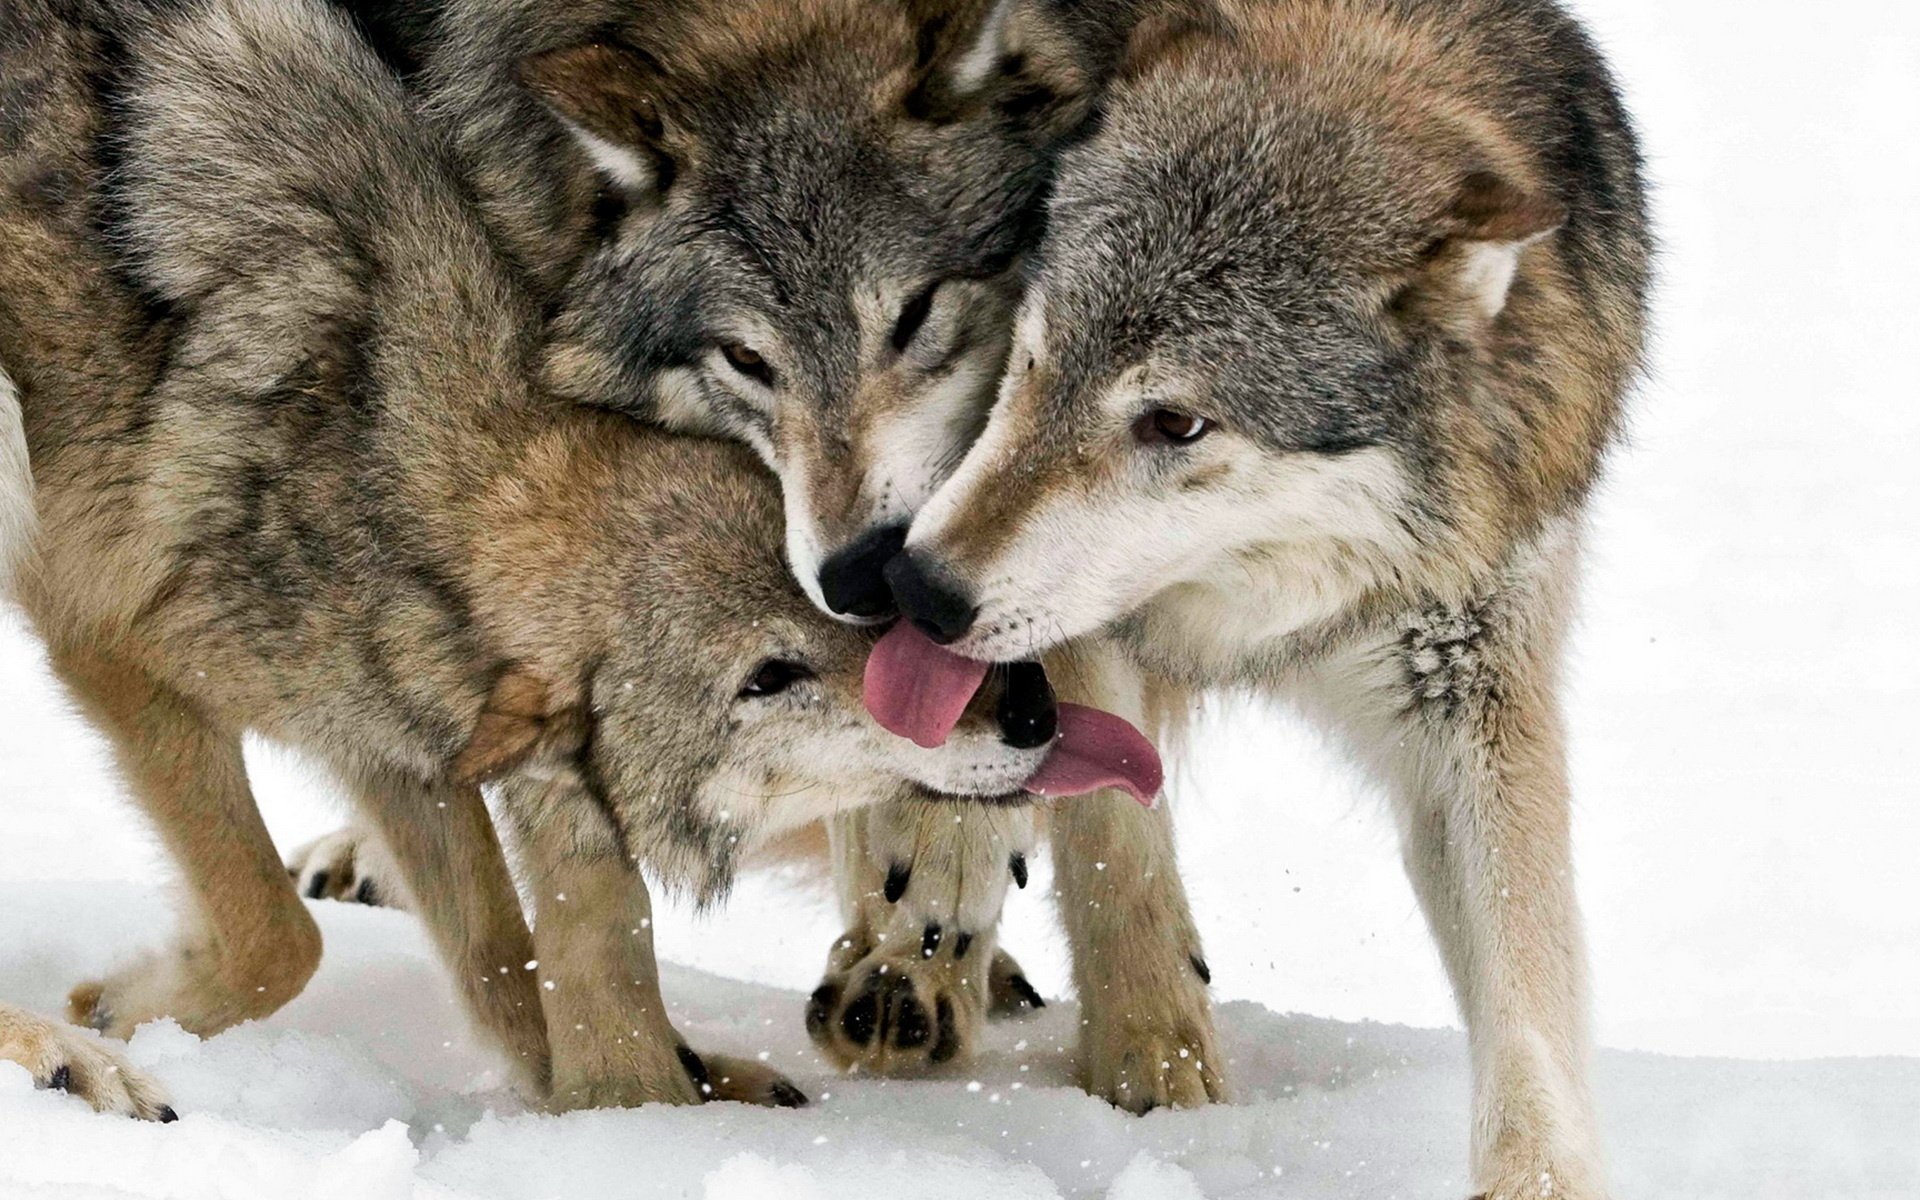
(1043, 63)
(608, 94)
(518, 721)
(1480, 240)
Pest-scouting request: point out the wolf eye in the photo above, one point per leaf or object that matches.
(746, 360)
(1164, 426)
(774, 676)
(912, 317)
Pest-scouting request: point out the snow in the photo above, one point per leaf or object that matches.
(367, 1087)
(1743, 707)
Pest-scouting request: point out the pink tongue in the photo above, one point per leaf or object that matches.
(1097, 750)
(916, 689)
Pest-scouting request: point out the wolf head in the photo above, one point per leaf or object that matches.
(683, 678)
(811, 248)
(1298, 329)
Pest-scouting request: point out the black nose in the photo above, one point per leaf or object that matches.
(852, 582)
(929, 599)
(1028, 715)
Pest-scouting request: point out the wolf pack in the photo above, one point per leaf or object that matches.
(631, 441)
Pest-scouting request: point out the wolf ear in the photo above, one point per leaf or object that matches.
(608, 94)
(518, 721)
(1044, 63)
(1479, 240)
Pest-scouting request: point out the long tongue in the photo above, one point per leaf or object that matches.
(1097, 750)
(917, 689)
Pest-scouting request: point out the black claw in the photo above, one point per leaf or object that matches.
(786, 1095)
(317, 886)
(911, 1028)
(930, 940)
(820, 1007)
(366, 894)
(167, 1115)
(898, 876)
(861, 1019)
(1201, 969)
(61, 1079)
(962, 943)
(1026, 991)
(696, 1069)
(1018, 865)
(948, 1043)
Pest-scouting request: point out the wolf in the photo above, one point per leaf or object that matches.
(1331, 332)
(293, 475)
(803, 227)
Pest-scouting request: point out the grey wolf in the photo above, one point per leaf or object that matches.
(292, 475)
(804, 227)
(1328, 340)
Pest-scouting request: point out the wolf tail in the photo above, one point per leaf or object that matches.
(16, 483)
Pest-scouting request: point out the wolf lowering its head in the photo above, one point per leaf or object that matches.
(793, 224)
(1336, 300)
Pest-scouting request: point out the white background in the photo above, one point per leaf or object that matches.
(1744, 703)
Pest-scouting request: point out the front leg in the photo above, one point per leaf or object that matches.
(612, 1044)
(434, 845)
(250, 945)
(1463, 721)
(1146, 1034)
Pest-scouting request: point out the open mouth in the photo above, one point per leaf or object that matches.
(919, 690)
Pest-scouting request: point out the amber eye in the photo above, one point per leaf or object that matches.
(774, 676)
(1165, 426)
(746, 360)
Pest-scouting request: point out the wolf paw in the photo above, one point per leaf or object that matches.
(744, 1081)
(73, 1060)
(1156, 1052)
(695, 1079)
(1544, 1182)
(350, 865)
(903, 1009)
(204, 991)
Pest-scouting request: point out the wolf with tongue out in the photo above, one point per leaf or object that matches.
(1333, 328)
(801, 224)
(920, 690)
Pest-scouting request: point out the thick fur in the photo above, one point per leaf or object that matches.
(293, 478)
(1332, 331)
(687, 181)
(845, 190)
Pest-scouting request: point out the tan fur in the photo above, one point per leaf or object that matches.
(1393, 258)
(293, 478)
(81, 1062)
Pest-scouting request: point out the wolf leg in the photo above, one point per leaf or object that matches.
(78, 1061)
(1147, 1037)
(612, 1043)
(1464, 726)
(442, 841)
(910, 983)
(252, 946)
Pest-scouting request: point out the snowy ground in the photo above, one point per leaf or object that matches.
(1743, 711)
(363, 1088)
